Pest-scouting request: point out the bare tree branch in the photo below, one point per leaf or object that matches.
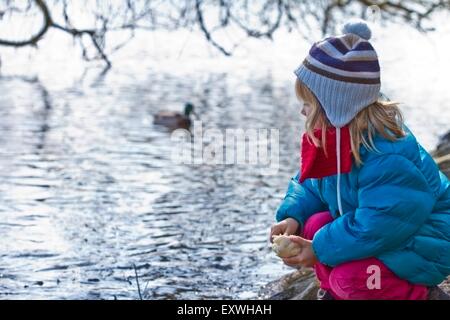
(34, 39)
(255, 19)
(271, 28)
(205, 30)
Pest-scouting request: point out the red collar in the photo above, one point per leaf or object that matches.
(314, 163)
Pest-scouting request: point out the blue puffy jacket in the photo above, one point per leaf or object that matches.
(396, 208)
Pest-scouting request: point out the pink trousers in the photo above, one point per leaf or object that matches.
(357, 280)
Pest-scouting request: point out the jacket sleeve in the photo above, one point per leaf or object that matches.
(394, 200)
(301, 201)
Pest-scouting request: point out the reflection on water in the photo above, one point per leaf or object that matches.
(88, 189)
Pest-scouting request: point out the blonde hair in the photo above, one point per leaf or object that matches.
(380, 117)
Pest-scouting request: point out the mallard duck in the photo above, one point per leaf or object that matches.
(173, 119)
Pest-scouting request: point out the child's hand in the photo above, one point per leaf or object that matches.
(306, 257)
(287, 227)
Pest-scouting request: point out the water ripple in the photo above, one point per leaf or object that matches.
(88, 190)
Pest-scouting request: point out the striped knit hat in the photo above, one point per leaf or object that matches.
(343, 73)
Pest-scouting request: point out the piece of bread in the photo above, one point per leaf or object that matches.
(284, 247)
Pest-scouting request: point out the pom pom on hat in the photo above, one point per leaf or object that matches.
(358, 27)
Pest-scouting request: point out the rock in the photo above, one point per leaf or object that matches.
(442, 157)
(297, 285)
(437, 293)
(444, 143)
(442, 154)
(302, 284)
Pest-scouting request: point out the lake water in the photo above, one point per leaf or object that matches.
(88, 188)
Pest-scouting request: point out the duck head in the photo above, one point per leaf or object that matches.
(188, 109)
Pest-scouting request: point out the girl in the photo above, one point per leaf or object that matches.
(370, 205)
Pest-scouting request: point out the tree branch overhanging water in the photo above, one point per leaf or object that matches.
(253, 19)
